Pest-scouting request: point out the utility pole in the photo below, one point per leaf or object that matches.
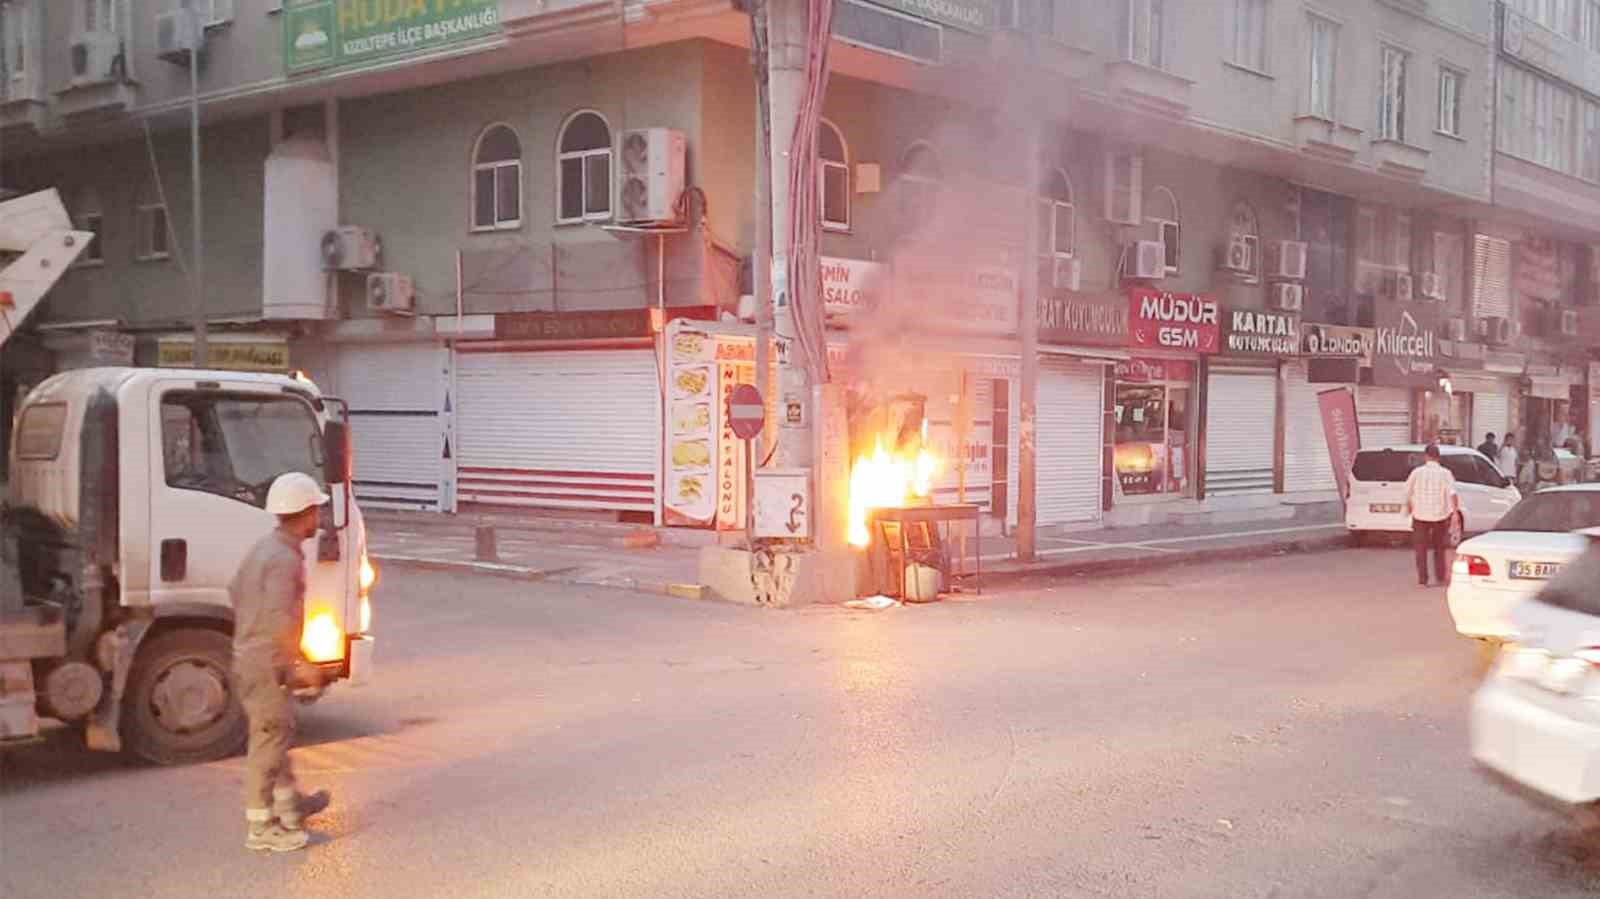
(761, 283)
(1028, 324)
(202, 353)
(786, 54)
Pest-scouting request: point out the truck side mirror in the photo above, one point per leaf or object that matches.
(336, 446)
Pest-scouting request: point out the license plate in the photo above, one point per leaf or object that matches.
(1386, 508)
(1534, 571)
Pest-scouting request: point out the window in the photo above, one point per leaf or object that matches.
(1392, 95)
(1591, 25)
(87, 215)
(1151, 453)
(1383, 237)
(99, 15)
(497, 180)
(39, 431)
(920, 179)
(1058, 227)
(833, 178)
(585, 163)
(1143, 23)
(1324, 45)
(1164, 206)
(1537, 119)
(236, 445)
(1589, 142)
(150, 225)
(1450, 83)
(1250, 34)
(1243, 230)
(15, 27)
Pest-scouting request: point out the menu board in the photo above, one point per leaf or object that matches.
(692, 422)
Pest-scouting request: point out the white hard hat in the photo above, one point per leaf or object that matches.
(293, 493)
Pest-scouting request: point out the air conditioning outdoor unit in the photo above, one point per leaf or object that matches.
(1397, 286)
(1240, 256)
(1496, 330)
(391, 292)
(217, 12)
(350, 248)
(1433, 286)
(1369, 280)
(1569, 322)
(1458, 329)
(95, 57)
(1146, 260)
(1066, 274)
(652, 176)
(22, 85)
(1289, 297)
(179, 34)
(1286, 260)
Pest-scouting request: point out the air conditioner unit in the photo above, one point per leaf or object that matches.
(1286, 260)
(1515, 332)
(1569, 322)
(1240, 255)
(391, 292)
(652, 176)
(1397, 286)
(179, 34)
(1433, 286)
(96, 57)
(1146, 260)
(350, 248)
(1495, 330)
(217, 12)
(1369, 280)
(1289, 297)
(1066, 274)
(1458, 329)
(21, 86)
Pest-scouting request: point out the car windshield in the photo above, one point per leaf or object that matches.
(1385, 465)
(1554, 512)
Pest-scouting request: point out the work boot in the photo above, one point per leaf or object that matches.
(274, 837)
(294, 809)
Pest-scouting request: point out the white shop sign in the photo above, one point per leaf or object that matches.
(851, 285)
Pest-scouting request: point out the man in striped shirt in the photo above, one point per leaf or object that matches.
(1432, 500)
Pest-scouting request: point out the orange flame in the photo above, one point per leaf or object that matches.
(884, 481)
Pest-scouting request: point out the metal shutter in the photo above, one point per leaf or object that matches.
(1067, 430)
(1240, 430)
(1491, 276)
(1384, 416)
(1491, 411)
(576, 430)
(1013, 451)
(1305, 448)
(396, 393)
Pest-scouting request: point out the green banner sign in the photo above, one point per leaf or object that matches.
(321, 34)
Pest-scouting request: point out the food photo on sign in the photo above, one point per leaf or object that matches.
(691, 488)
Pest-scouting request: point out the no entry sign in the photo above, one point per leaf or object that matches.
(746, 412)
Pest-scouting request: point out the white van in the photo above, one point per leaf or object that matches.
(1377, 501)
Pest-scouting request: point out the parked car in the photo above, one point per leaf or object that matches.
(1536, 718)
(1512, 562)
(1377, 501)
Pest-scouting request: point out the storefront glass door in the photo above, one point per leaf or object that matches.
(1154, 452)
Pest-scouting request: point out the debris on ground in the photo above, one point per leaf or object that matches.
(873, 603)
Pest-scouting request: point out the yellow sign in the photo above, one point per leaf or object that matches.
(230, 355)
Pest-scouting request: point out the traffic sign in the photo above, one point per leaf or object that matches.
(746, 412)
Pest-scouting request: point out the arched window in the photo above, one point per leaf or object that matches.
(584, 159)
(920, 180)
(1244, 241)
(833, 177)
(89, 215)
(497, 180)
(1163, 215)
(149, 223)
(1058, 227)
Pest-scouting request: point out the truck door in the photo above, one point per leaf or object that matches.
(219, 447)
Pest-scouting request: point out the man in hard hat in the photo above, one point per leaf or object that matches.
(268, 594)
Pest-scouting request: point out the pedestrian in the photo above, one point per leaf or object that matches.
(1507, 460)
(1489, 448)
(1431, 501)
(268, 595)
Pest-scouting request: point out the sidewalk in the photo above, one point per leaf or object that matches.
(666, 560)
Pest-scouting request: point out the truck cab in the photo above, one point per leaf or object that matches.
(134, 496)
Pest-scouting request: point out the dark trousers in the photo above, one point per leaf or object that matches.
(1434, 535)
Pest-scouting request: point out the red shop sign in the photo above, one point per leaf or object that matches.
(1159, 320)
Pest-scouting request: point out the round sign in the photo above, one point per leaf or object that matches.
(746, 412)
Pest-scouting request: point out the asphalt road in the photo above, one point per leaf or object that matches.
(1288, 727)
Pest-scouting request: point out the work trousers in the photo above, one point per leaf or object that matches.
(1434, 535)
(267, 770)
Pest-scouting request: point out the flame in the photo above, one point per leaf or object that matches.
(883, 481)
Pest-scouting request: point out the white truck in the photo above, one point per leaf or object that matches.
(133, 496)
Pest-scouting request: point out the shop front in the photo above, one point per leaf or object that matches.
(1554, 391)
(1331, 358)
(1241, 433)
(1082, 338)
(1405, 360)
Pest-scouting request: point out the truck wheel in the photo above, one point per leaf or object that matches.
(180, 707)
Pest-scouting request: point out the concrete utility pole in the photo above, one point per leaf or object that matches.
(1028, 324)
(786, 53)
(201, 344)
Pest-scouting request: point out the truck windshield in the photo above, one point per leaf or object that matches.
(236, 445)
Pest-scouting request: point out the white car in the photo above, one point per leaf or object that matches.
(1536, 718)
(1496, 570)
(1377, 501)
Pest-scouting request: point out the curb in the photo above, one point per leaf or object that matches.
(1112, 567)
(497, 569)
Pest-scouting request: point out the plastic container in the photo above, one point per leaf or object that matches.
(921, 583)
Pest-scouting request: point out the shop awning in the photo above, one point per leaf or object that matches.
(1093, 354)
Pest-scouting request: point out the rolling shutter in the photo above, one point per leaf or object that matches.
(1069, 442)
(1305, 448)
(574, 430)
(1491, 412)
(1240, 430)
(396, 393)
(1384, 415)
